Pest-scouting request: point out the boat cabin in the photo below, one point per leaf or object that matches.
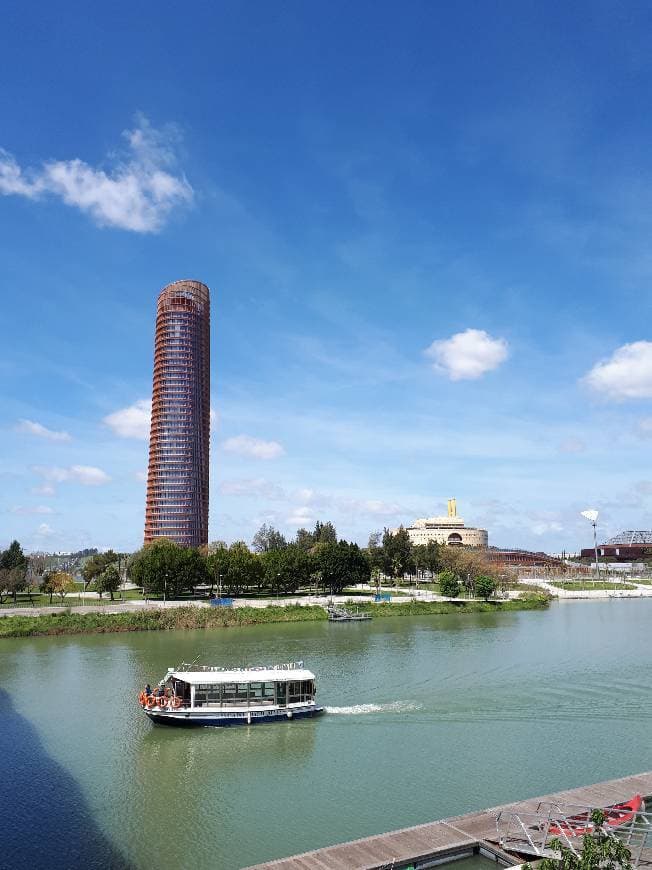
(242, 688)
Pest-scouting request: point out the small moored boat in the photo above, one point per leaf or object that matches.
(615, 816)
(202, 695)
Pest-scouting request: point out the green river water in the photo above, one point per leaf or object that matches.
(426, 717)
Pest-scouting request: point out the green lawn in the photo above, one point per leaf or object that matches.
(40, 600)
(588, 585)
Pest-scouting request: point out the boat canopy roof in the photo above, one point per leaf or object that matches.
(242, 675)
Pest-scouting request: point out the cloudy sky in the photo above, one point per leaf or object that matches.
(426, 229)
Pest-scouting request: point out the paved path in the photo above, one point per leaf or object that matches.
(398, 849)
(131, 605)
(641, 591)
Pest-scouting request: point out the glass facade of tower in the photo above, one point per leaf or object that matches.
(177, 479)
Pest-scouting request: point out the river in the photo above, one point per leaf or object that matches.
(426, 717)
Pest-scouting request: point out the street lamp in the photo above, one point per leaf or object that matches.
(592, 516)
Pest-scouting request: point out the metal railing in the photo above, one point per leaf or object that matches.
(531, 833)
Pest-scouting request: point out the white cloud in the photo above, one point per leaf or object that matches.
(301, 516)
(44, 489)
(627, 374)
(379, 508)
(256, 448)
(138, 194)
(37, 509)
(572, 445)
(44, 531)
(467, 355)
(30, 427)
(131, 422)
(87, 475)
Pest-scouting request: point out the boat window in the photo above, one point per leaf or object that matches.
(268, 690)
(256, 690)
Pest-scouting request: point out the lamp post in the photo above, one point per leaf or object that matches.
(592, 516)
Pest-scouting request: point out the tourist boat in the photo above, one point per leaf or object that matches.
(202, 695)
(615, 815)
(340, 614)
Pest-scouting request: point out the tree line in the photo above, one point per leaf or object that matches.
(273, 565)
(314, 559)
(20, 573)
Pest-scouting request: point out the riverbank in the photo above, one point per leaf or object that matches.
(195, 617)
(439, 608)
(190, 617)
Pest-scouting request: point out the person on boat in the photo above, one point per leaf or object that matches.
(161, 691)
(148, 690)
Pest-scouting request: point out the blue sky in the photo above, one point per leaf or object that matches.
(426, 230)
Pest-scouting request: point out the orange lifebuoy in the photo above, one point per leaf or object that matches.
(151, 702)
(176, 702)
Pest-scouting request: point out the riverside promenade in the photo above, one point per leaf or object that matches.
(429, 844)
(131, 606)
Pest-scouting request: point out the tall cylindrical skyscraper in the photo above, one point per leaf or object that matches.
(177, 478)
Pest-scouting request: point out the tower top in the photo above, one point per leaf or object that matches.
(452, 507)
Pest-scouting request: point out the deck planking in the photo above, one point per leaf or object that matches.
(457, 833)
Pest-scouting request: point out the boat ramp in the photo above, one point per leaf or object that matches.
(509, 834)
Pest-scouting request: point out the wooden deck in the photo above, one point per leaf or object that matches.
(437, 839)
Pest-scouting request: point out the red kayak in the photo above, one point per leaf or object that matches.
(615, 815)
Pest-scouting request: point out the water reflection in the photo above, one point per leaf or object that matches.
(45, 819)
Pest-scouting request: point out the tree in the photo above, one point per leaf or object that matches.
(47, 584)
(12, 580)
(60, 583)
(38, 565)
(601, 850)
(242, 569)
(164, 567)
(325, 533)
(108, 580)
(13, 568)
(304, 539)
(218, 565)
(427, 558)
(449, 584)
(398, 556)
(286, 570)
(268, 538)
(96, 565)
(485, 586)
(341, 565)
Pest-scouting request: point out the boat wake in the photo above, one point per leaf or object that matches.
(364, 709)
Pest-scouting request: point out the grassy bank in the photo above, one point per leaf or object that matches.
(153, 620)
(204, 617)
(424, 608)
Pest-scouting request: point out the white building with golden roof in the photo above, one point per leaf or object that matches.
(448, 530)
